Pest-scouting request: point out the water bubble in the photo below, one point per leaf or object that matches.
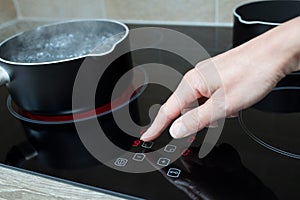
(66, 46)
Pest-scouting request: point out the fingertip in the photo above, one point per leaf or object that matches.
(174, 132)
(145, 138)
(178, 130)
(149, 135)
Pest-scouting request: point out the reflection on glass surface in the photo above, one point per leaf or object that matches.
(220, 175)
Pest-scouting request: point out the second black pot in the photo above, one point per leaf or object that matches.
(255, 18)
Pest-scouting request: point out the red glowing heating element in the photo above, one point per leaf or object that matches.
(136, 143)
(185, 152)
(86, 114)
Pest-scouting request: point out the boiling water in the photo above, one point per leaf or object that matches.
(66, 46)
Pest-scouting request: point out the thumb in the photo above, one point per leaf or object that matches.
(196, 119)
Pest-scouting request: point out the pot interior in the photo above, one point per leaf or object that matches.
(62, 41)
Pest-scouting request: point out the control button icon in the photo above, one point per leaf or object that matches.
(163, 161)
(121, 162)
(170, 148)
(174, 172)
(147, 145)
(139, 157)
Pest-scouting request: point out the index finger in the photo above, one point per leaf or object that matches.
(186, 93)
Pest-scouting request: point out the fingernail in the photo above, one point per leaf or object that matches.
(146, 135)
(178, 130)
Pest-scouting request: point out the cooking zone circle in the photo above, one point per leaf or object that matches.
(278, 132)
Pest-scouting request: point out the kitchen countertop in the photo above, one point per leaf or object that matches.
(20, 185)
(15, 184)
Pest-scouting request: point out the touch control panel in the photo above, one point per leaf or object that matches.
(166, 154)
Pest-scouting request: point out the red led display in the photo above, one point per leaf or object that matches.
(136, 143)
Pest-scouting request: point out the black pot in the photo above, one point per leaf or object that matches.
(40, 66)
(255, 18)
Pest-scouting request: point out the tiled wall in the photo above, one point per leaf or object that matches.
(143, 11)
(7, 11)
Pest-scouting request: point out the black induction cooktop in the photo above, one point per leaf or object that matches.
(256, 156)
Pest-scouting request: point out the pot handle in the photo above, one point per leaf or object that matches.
(4, 77)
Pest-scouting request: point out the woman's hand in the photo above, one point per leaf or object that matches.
(230, 81)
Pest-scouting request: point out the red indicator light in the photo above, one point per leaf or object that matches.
(136, 143)
(185, 152)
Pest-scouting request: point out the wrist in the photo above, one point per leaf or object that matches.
(278, 49)
(286, 40)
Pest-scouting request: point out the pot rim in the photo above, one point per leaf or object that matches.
(239, 17)
(68, 59)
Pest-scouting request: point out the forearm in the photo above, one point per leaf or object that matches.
(296, 37)
(277, 51)
(285, 42)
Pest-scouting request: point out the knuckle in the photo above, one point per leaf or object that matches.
(228, 109)
(195, 80)
(220, 104)
(167, 113)
(189, 76)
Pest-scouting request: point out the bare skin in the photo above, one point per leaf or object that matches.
(246, 74)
